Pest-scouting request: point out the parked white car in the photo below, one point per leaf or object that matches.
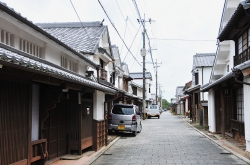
(153, 111)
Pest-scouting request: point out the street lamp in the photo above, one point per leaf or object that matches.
(143, 54)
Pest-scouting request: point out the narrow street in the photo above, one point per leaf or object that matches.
(168, 140)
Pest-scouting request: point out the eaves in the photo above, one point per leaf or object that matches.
(34, 64)
(14, 14)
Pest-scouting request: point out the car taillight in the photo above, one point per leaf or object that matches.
(134, 118)
(110, 117)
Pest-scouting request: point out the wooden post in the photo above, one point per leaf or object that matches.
(193, 108)
(80, 128)
(222, 112)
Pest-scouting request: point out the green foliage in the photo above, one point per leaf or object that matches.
(165, 104)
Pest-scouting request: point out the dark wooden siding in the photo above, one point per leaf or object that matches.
(14, 109)
(54, 121)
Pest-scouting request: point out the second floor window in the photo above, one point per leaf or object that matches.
(72, 66)
(243, 41)
(6, 38)
(64, 62)
(69, 64)
(30, 48)
(196, 78)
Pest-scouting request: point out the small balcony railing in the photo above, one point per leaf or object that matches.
(242, 57)
(103, 74)
(39, 150)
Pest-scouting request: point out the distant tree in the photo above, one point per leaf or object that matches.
(165, 104)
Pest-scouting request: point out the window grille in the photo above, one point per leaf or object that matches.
(6, 38)
(64, 62)
(240, 104)
(72, 66)
(30, 48)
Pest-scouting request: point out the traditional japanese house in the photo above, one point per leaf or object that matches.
(49, 107)
(229, 85)
(180, 105)
(202, 67)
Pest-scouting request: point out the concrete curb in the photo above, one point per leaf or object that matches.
(226, 148)
(102, 151)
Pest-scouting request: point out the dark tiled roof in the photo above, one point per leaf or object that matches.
(193, 88)
(116, 56)
(229, 75)
(83, 37)
(24, 20)
(238, 14)
(203, 59)
(25, 60)
(139, 75)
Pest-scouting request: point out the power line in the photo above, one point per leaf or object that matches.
(125, 21)
(136, 54)
(124, 34)
(132, 42)
(118, 32)
(79, 19)
(143, 23)
(174, 39)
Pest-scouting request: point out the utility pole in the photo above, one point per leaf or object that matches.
(156, 97)
(143, 54)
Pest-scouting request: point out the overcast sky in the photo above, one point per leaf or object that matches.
(175, 31)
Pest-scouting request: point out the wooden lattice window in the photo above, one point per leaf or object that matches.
(6, 38)
(72, 66)
(240, 104)
(64, 62)
(29, 47)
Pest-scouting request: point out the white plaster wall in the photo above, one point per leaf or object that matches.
(186, 105)
(231, 55)
(211, 111)
(98, 105)
(178, 109)
(139, 92)
(50, 50)
(246, 89)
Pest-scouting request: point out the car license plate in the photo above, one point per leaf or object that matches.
(152, 114)
(121, 127)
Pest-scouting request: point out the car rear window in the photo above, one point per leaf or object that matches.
(123, 110)
(153, 107)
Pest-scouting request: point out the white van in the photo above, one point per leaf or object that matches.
(153, 111)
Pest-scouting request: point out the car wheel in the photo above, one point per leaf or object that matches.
(149, 117)
(158, 117)
(140, 128)
(134, 133)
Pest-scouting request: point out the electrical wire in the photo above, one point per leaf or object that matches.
(136, 55)
(176, 47)
(132, 42)
(174, 39)
(118, 32)
(124, 34)
(79, 19)
(143, 23)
